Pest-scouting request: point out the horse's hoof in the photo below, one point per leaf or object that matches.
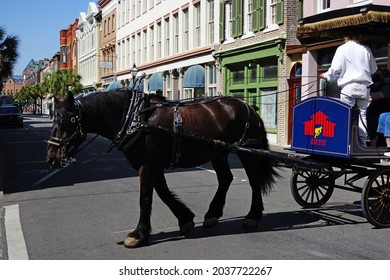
(186, 228)
(250, 224)
(132, 242)
(210, 222)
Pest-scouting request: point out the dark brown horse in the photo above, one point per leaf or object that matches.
(205, 131)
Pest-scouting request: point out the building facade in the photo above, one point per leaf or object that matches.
(324, 25)
(12, 85)
(68, 47)
(173, 42)
(107, 49)
(88, 49)
(253, 61)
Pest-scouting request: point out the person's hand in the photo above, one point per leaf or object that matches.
(323, 76)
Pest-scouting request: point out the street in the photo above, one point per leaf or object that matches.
(84, 212)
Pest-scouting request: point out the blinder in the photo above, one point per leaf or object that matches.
(73, 135)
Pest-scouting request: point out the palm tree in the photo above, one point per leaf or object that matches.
(8, 54)
(57, 83)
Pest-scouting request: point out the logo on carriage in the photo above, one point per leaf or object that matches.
(320, 128)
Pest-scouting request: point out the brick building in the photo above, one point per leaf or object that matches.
(12, 85)
(254, 62)
(68, 47)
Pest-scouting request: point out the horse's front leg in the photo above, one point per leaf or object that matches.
(140, 236)
(178, 208)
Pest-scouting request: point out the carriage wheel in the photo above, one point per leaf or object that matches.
(311, 189)
(376, 199)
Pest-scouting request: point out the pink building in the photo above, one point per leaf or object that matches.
(325, 23)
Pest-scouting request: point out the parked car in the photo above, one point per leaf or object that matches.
(10, 116)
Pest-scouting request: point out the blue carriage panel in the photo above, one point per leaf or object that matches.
(322, 125)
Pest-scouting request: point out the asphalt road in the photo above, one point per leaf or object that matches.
(84, 212)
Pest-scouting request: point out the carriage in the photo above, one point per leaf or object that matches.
(326, 147)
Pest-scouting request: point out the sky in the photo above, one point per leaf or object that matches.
(37, 25)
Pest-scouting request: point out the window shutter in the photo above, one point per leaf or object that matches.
(300, 9)
(280, 11)
(260, 14)
(238, 23)
(233, 8)
(254, 17)
(222, 22)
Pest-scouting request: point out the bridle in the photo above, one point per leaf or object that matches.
(69, 143)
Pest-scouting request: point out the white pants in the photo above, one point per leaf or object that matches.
(358, 94)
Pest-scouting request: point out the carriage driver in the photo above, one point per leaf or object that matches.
(352, 66)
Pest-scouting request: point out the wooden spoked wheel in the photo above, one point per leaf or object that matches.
(376, 198)
(311, 189)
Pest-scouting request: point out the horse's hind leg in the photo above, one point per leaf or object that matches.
(260, 173)
(225, 178)
(181, 212)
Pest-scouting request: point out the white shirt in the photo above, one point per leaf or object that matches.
(353, 64)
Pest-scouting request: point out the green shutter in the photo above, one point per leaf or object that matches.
(279, 11)
(221, 22)
(254, 27)
(233, 7)
(239, 17)
(300, 9)
(260, 14)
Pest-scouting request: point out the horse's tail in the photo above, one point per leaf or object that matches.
(266, 171)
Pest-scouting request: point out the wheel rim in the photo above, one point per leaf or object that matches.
(311, 188)
(376, 199)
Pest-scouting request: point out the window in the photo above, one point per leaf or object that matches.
(139, 8)
(197, 26)
(63, 54)
(159, 43)
(123, 8)
(133, 9)
(167, 37)
(212, 80)
(210, 21)
(248, 10)
(151, 43)
(176, 33)
(128, 4)
(270, 71)
(187, 93)
(268, 110)
(133, 53)
(144, 45)
(168, 85)
(272, 13)
(186, 31)
(275, 14)
(138, 57)
(323, 5)
(229, 21)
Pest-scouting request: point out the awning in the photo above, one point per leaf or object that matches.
(369, 22)
(194, 77)
(114, 86)
(155, 82)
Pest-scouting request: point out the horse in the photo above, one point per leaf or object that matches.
(170, 135)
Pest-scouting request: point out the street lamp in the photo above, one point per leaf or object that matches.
(134, 71)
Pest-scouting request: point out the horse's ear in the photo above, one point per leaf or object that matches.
(70, 100)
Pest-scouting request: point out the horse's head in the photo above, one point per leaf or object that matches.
(67, 132)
